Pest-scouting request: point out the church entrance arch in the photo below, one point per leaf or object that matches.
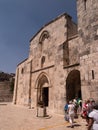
(43, 90)
(73, 85)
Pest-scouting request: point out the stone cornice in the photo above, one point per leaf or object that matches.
(42, 69)
(73, 65)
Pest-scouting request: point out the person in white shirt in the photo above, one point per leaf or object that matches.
(93, 118)
(71, 113)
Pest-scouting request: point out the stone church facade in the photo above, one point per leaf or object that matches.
(62, 61)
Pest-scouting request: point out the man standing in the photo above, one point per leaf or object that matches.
(71, 113)
(93, 118)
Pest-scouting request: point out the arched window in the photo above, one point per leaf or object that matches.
(42, 61)
(44, 35)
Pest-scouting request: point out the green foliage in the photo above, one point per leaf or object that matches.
(4, 77)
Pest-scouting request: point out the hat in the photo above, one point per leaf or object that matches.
(91, 99)
(70, 102)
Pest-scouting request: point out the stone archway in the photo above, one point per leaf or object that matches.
(73, 85)
(43, 90)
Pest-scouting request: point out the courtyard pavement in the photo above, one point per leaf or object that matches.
(14, 117)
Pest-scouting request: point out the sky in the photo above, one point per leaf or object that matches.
(20, 20)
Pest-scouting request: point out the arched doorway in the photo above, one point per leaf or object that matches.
(43, 91)
(73, 85)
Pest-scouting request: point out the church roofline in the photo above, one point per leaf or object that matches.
(22, 62)
(66, 15)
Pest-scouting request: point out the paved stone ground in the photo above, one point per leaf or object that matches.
(14, 117)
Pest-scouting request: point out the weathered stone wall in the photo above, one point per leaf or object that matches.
(88, 50)
(71, 28)
(22, 84)
(88, 25)
(73, 47)
(57, 36)
(5, 92)
(89, 76)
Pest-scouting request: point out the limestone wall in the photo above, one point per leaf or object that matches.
(87, 25)
(47, 48)
(89, 76)
(73, 47)
(88, 48)
(22, 84)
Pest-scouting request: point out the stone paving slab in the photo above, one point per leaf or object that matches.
(14, 117)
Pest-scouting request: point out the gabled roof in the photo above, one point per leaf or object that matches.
(64, 14)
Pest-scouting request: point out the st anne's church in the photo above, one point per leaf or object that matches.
(62, 62)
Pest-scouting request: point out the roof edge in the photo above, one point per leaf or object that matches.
(22, 62)
(58, 17)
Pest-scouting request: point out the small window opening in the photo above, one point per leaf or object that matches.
(42, 61)
(93, 76)
(22, 71)
(85, 4)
